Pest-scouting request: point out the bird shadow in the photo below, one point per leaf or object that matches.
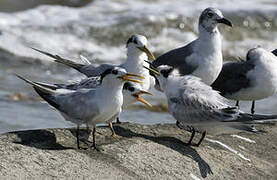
(40, 139)
(173, 143)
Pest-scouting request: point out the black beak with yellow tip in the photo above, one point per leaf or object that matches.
(147, 51)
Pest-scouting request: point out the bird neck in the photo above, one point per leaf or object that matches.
(207, 31)
(114, 86)
(135, 60)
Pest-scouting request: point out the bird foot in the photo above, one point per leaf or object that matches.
(95, 148)
(115, 136)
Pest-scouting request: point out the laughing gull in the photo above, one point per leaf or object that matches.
(89, 106)
(199, 108)
(203, 56)
(250, 80)
(137, 52)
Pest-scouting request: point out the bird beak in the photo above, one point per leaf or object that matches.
(152, 70)
(126, 78)
(137, 96)
(225, 21)
(147, 51)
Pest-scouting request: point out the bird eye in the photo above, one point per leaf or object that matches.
(210, 14)
(131, 89)
(135, 41)
(114, 72)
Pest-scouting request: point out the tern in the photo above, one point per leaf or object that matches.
(131, 91)
(137, 52)
(199, 108)
(203, 56)
(250, 80)
(89, 106)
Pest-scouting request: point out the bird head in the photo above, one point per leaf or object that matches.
(210, 17)
(119, 74)
(161, 73)
(139, 42)
(135, 92)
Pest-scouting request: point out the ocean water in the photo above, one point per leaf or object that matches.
(99, 31)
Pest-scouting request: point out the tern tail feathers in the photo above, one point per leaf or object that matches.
(44, 92)
(61, 60)
(245, 117)
(50, 86)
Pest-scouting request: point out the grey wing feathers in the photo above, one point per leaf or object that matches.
(198, 102)
(87, 83)
(61, 60)
(93, 70)
(233, 77)
(77, 105)
(177, 59)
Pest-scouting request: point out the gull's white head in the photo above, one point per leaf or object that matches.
(132, 93)
(118, 75)
(139, 42)
(259, 54)
(210, 17)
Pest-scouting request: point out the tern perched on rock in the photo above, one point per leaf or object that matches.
(250, 80)
(131, 91)
(203, 56)
(137, 52)
(199, 108)
(89, 106)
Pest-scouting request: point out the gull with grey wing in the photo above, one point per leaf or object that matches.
(203, 56)
(250, 80)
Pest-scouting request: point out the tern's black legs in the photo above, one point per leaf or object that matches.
(77, 136)
(202, 137)
(117, 120)
(192, 136)
(93, 139)
(253, 107)
(237, 104)
(192, 130)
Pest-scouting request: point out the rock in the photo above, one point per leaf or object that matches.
(151, 152)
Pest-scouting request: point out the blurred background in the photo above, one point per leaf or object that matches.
(99, 29)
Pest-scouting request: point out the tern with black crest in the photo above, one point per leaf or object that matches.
(89, 106)
(137, 52)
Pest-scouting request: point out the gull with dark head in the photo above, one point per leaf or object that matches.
(202, 57)
(89, 106)
(199, 108)
(250, 80)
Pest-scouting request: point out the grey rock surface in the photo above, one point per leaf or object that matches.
(141, 152)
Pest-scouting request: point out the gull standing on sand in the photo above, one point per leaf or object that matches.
(137, 52)
(203, 56)
(89, 106)
(199, 108)
(250, 80)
